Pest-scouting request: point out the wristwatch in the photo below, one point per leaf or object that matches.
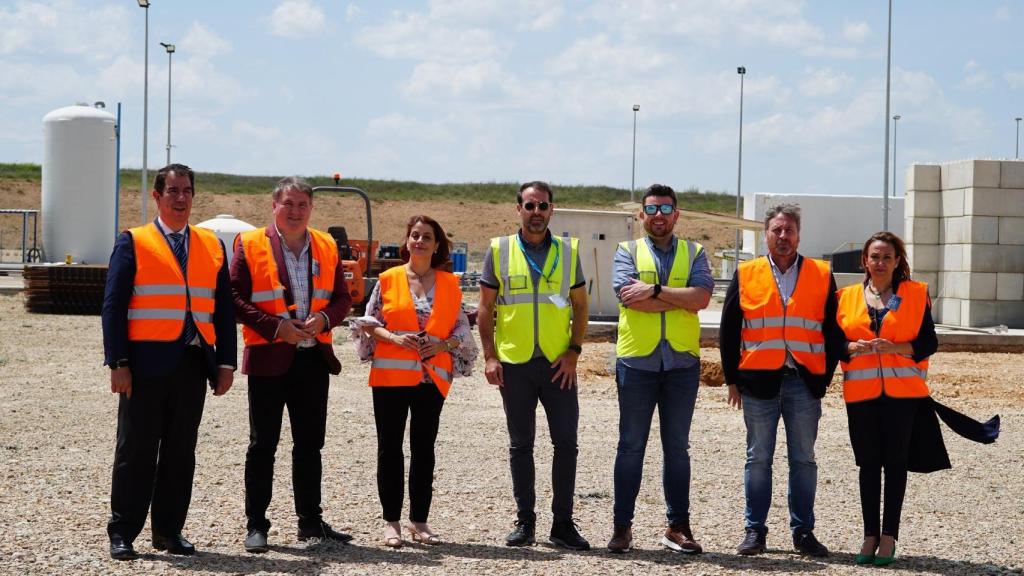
(657, 290)
(122, 363)
(576, 348)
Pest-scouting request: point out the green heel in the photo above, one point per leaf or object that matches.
(886, 560)
(865, 559)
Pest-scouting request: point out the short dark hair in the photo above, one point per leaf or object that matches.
(444, 246)
(902, 271)
(180, 169)
(539, 186)
(659, 190)
(292, 182)
(791, 211)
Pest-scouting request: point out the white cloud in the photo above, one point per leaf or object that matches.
(248, 130)
(824, 82)
(856, 31)
(597, 55)
(400, 127)
(65, 27)
(201, 42)
(352, 12)
(1003, 13)
(529, 14)
(296, 19)
(418, 37)
(1014, 79)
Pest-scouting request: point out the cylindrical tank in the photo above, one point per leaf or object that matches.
(79, 166)
(226, 227)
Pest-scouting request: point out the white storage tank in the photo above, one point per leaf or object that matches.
(78, 196)
(226, 227)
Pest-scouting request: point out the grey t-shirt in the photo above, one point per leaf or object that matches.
(539, 254)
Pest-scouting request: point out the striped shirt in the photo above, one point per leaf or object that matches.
(298, 277)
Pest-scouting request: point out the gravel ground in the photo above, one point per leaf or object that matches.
(57, 426)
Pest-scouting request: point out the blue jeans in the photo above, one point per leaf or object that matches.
(800, 413)
(674, 392)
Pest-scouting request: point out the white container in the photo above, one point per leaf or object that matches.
(78, 196)
(226, 227)
(600, 233)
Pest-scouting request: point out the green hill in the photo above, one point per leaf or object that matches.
(494, 192)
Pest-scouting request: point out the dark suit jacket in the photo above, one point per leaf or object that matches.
(275, 358)
(766, 383)
(152, 359)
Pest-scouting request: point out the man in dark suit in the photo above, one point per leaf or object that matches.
(168, 328)
(289, 290)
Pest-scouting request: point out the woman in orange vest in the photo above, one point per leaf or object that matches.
(417, 338)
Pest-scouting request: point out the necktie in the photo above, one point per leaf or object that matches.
(178, 245)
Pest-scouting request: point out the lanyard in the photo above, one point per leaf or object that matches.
(534, 266)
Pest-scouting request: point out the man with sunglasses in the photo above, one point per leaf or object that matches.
(662, 281)
(533, 316)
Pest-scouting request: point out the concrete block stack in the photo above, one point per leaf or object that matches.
(964, 230)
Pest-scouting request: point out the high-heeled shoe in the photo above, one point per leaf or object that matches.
(423, 537)
(393, 537)
(886, 560)
(867, 558)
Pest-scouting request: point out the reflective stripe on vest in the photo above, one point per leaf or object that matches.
(528, 318)
(161, 295)
(639, 333)
(771, 329)
(268, 292)
(867, 376)
(394, 365)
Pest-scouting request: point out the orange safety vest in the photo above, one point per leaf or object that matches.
(770, 329)
(868, 375)
(162, 294)
(394, 365)
(267, 289)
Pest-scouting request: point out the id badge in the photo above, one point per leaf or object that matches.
(894, 302)
(558, 300)
(517, 282)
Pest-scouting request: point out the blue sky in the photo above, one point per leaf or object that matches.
(514, 90)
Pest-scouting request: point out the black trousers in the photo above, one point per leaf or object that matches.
(303, 389)
(880, 431)
(155, 457)
(525, 385)
(422, 405)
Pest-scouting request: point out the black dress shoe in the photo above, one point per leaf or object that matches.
(805, 543)
(522, 535)
(256, 541)
(174, 544)
(567, 535)
(323, 530)
(120, 549)
(753, 543)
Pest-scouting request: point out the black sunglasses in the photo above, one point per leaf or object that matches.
(542, 206)
(652, 209)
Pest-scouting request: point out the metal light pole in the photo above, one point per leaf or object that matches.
(895, 125)
(885, 167)
(742, 71)
(1016, 153)
(145, 119)
(170, 50)
(632, 180)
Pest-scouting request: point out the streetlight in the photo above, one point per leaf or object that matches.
(742, 71)
(885, 167)
(170, 50)
(145, 118)
(895, 125)
(632, 180)
(1016, 153)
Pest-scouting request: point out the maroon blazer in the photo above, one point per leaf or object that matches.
(274, 359)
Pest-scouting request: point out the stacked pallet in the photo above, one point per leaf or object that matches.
(61, 289)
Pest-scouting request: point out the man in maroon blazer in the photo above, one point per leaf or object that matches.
(289, 290)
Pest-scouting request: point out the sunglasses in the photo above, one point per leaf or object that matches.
(652, 209)
(542, 206)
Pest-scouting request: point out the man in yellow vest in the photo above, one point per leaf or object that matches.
(780, 345)
(168, 329)
(290, 291)
(532, 317)
(662, 282)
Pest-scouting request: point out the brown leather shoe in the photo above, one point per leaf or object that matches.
(679, 538)
(622, 539)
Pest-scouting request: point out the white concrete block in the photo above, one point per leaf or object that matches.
(971, 173)
(951, 259)
(982, 258)
(922, 230)
(946, 311)
(981, 285)
(954, 285)
(930, 278)
(1010, 286)
(924, 177)
(1011, 314)
(952, 203)
(955, 230)
(1011, 259)
(1012, 175)
(923, 257)
(979, 313)
(994, 202)
(1011, 231)
(982, 229)
(920, 203)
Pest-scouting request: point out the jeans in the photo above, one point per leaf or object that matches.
(674, 392)
(800, 412)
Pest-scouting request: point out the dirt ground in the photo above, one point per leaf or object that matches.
(471, 222)
(57, 429)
